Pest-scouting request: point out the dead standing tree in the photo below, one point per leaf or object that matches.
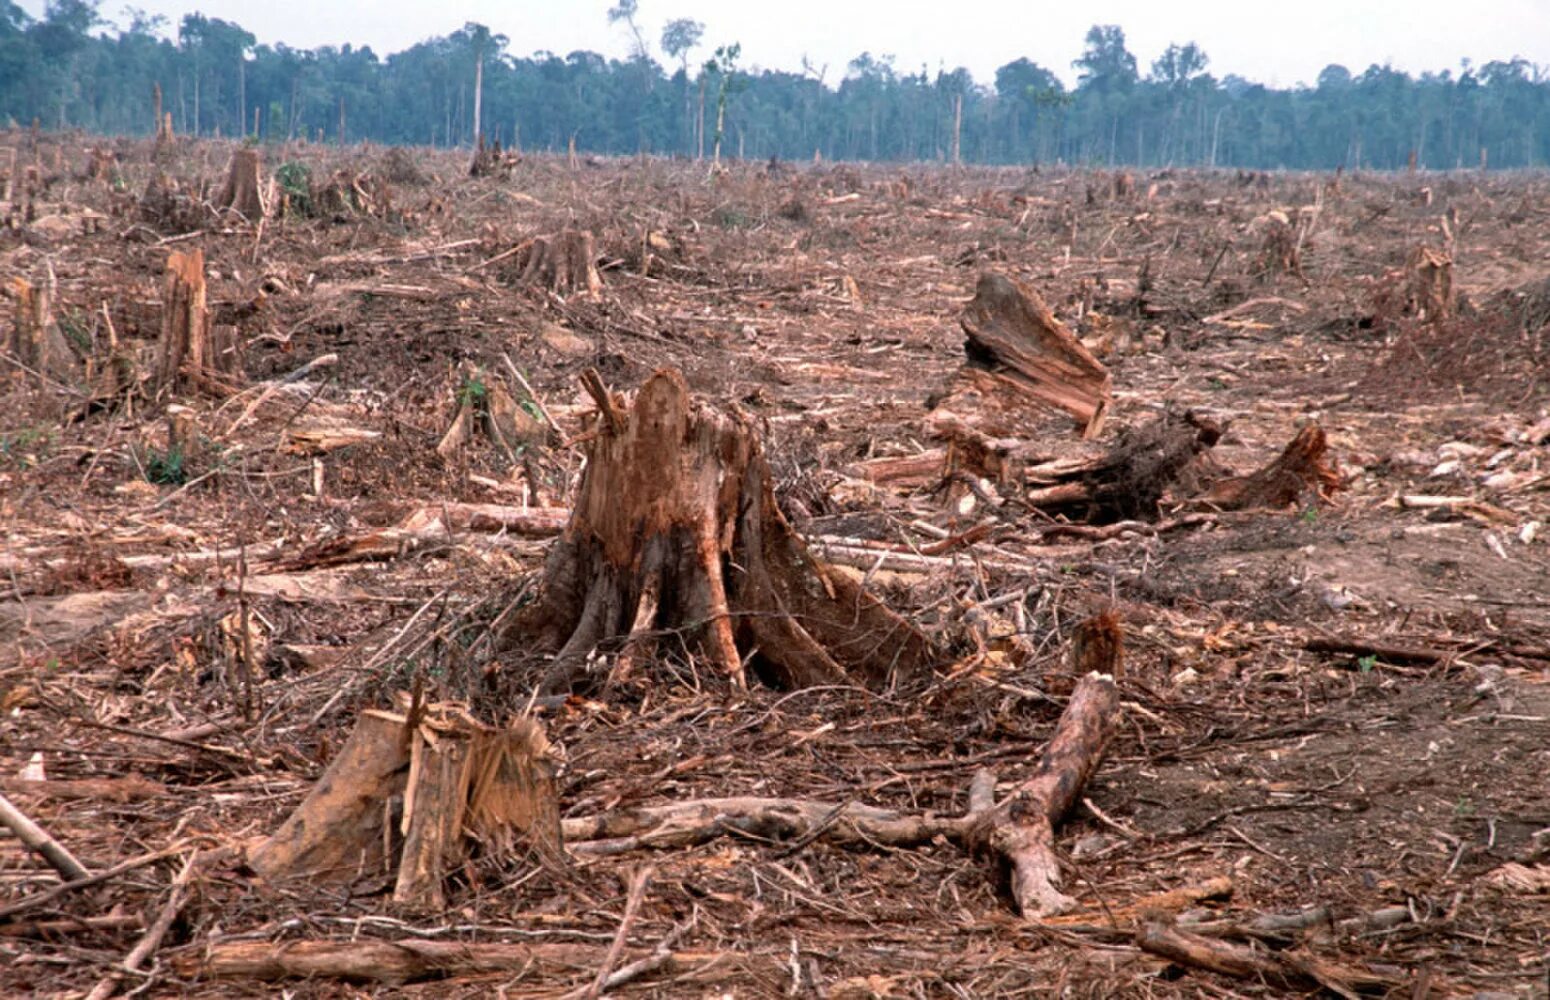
(675, 529)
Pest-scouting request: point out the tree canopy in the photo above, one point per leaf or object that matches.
(68, 68)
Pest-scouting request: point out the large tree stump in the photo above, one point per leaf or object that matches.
(675, 529)
(1430, 278)
(241, 192)
(192, 350)
(1020, 356)
(564, 263)
(417, 793)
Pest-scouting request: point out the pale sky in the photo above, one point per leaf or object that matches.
(1268, 41)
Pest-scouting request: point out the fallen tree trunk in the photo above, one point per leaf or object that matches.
(427, 526)
(1286, 970)
(1018, 831)
(1020, 357)
(396, 962)
(675, 528)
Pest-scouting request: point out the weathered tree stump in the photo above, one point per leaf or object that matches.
(415, 794)
(1430, 280)
(191, 350)
(1020, 357)
(675, 529)
(36, 340)
(241, 193)
(564, 263)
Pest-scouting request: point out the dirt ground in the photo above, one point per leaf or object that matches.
(1403, 789)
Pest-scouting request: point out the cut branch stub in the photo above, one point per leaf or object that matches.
(675, 529)
(1019, 355)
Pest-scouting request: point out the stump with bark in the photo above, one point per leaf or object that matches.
(564, 263)
(241, 192)
(416, 793)
(1430, 279)
(675, 531)
(1020, 357)
(192, 351)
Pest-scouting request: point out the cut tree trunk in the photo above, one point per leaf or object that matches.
(564, 263)
(35, 338)
(241, 192)
(675, 529)
(192, 351)
(1303, 466)
(416, 792)
(1430, 275)
(1021, 357)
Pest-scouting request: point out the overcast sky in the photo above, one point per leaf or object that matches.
(1270, 41)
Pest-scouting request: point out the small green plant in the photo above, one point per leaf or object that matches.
(1310, 516)
(295, 183)
(165, 468)
(75, 331)
(1367, 664)
(24, 446)
(1463, 807)
(473, 393)
(730, 217)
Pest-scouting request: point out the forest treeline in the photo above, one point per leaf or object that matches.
(69, 68)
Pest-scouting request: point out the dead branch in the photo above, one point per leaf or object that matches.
(38, 839)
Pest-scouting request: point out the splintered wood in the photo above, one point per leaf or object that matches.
(417, 793)
(1019, 357)
(35, 338)
(192, 350)
(675, 527)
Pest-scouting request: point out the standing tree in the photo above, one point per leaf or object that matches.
(679, 38)
(625, 10)
(723, 67)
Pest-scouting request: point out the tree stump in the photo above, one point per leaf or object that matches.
(240, 193)
(191, 350)
(1020, 356)
(35, 338)
(1430, 274)
(564, 263)
(414, 793)
(675, 529)
(1303, 466)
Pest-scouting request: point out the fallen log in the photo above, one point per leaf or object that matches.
(1285, 970)
(1020, 357)
(423, 527)
(364, 960)
(38, 839)
(674, 528)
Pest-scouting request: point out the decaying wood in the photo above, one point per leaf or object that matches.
(1286, 970)
(676, 509)
(1020, 356)
(1303, 467)
(424, 527)
(564, 263)
(191, 349)
(418, 793)
(242, 191)
(1020, 830)
(366, 960)
(38, 839)
(1430, 278)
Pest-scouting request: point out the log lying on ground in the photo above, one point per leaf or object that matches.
(192, 351)
(564, 263)
(396, 962)
(1148, 463)
(460, 784)
(1018, 831)
(1285, 970)
(241, 192)
(675, 528)
(1304, 466)
(1020, 357)
(424, 527)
